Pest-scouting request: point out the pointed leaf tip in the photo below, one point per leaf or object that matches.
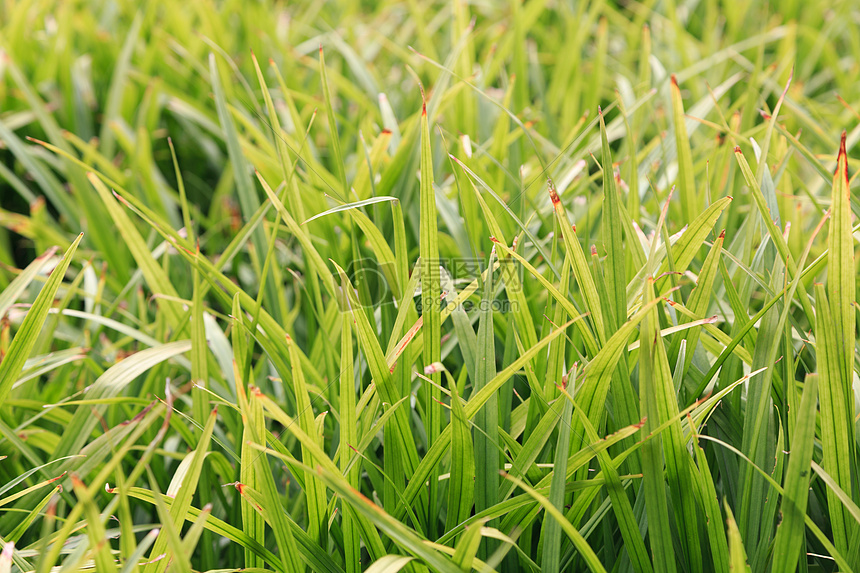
(843, 154)
(553, 194)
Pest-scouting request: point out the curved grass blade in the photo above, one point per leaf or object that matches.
(29, 330)
(575, 536)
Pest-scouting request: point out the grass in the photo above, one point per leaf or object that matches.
(429, 286)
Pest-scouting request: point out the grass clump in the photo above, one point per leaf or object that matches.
(429, 286)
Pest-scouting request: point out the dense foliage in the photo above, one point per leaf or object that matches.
(356, 286)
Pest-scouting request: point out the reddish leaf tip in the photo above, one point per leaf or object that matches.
(843, 154)
(722, 234)
(553, 194)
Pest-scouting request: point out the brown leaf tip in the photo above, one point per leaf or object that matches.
(674, 81)
(553, 194)
(593, 251)
(424, 109)
(842, 160)
(737, 148)
(723, 234)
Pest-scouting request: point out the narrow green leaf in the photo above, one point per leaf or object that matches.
(95, 528)
(653, 378)
(431, 303)
(389, 564)
(575, 536)
(579, 264)
(315, 493)
(836, 418)
(486, 435)
(552, 533)
(28, 332)
(841, 292)
(119, 79)
(405, 537)
(690, 202)
(789, 534)
(737, 555)
(616, 278)
(461, 484)
(337, 154)
(154, 274)
(348, 440)
(185, 484)
(20, 283)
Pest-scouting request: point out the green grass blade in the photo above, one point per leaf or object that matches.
(652, 379)
(616, 278)
(576, 538)
(28, 332)
(95, 528)
(737, 555)
(406, 538)
(552, 533)
(461, 484)
(316, 498)
(835, 416)
(337, 154)
(789, 534)
(690, 202)
(841, 291)
(579, 264)
(155, 276)
(107, 142)
(188, 476)
(348, 440)
(247, 194)
(430, 308)
(20, 283)
(486, 435)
